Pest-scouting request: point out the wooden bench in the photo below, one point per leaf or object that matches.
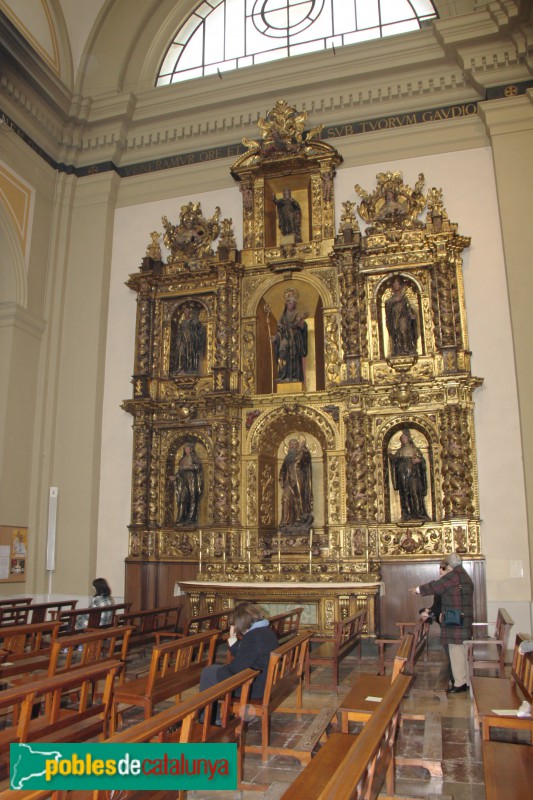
(174, 667)
(489, 652)
(148, 623)
(15, 601)
(286, 624)
(285, 673)
(508, 770)
(366, 696)
(492, 694)
(347, 635)
(22, 614)
(29, 647)
(356, 706)
(420, 645)
(82, 720)
(94, 617)
(40, 611)
(182, 724)
(207, 622)
(355, 768)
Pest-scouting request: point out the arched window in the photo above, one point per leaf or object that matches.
(230, 34)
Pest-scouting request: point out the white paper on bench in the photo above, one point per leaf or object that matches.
(505, 712)
(371, 699)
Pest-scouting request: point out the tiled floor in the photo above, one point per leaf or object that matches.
(462, 760)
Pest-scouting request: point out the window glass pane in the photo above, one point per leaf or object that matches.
(423, 8)
(400, 27)
(361, 36)
(367, 14)
(394, 10)
(344, 15)
(187, 75)
(234, 33)
(188, 29)
(257, 42)
(274, 55)
(171, 58)
(308, 47)
(319, 29)
(238, 33)
(193, 53)
(214, 41)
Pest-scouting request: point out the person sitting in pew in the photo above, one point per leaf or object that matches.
(251, 641)
(102, 597)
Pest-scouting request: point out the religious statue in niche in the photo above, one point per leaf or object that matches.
(189, 486)
(401, 321)
(289, 215)
(188, 343)
(295, 478)
(409, 478)
(290, 341)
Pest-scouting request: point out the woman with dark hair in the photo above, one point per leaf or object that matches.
(251, 641)
(102, 597)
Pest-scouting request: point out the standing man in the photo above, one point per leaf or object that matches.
(456, 590)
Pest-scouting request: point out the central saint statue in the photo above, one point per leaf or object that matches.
(290, 341)
(295, 479)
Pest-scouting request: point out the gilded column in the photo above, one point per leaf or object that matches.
(361, 497)
(457, 476)
(222, 473)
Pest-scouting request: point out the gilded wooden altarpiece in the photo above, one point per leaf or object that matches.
(387, 366)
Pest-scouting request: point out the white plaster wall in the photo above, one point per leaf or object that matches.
(467, 180)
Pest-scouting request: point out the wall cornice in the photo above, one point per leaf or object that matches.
(451, 62)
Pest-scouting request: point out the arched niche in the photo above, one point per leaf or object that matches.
(188, 339)
(269, 439)
(400, 319)
(269, 310)
(410, 484)
(174, 454)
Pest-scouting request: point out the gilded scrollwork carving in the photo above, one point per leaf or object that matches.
(360, 468)
(267, 496)
(331, 344)
(144, 326)
(249, 364)
(251, 494)
(334, 491)
(457, 474)
(222, 474)
(141, 464)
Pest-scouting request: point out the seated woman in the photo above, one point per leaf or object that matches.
(252, 650)
(102, 597)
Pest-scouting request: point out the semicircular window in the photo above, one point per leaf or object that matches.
(222, 35)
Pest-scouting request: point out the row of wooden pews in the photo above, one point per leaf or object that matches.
(507, 766)
(42, 666)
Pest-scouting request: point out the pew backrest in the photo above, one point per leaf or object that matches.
(285, 669)
(21, 640)
(148, 622)
(180, 655)
(286, 624)
(207, 622)
(75, 652)
(93, 614)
